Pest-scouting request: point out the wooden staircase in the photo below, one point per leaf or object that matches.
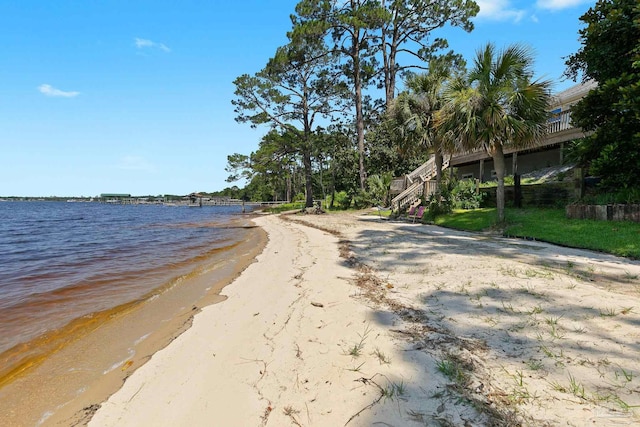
(416, 184)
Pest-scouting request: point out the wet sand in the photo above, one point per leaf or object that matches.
(65, 385)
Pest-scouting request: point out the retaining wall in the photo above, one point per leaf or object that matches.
(604, 212)
(537, 195)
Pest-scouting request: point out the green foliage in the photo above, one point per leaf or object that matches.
(454, 194)
(334, 46)
(622, 196)
(268, 169)
(378, 189)
(341, 200)
(233, 192)
(363, 31)
(465, 195)
(342, 158)
(351, 28)
(384, 155)
(258, 190)
(362, 199)
(498, 105)
(377, 193)
(436, 206)
(609, 41)
(610, 54)
(287, 207)
(408, 27)
(412, 115)
(441, 202)
(239, 167)
(453, 369)
(297, 86)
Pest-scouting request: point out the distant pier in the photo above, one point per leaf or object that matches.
(192, 200)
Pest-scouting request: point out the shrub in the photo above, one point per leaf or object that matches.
(465, 196)
(341, 200)
(622, 196)
(363, 199)
(378, 186)
(441, 202)
(437, 205)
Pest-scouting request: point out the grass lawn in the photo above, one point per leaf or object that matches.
(469, 220)
(620, 238)
(286, 207)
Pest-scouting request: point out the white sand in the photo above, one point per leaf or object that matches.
(525, 332)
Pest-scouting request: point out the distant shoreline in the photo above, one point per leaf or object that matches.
(209, 201)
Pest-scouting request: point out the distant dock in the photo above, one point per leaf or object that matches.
(189, 201)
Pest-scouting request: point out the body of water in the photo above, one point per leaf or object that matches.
(61, 262)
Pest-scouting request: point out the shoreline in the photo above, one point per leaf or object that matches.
(352, 320)
(267, 354)
(90, 367)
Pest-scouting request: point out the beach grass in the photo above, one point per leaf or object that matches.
(620, 238)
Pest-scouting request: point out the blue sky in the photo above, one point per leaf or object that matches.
(134, 96)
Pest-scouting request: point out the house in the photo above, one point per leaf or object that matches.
(479, 165)
(115, 198)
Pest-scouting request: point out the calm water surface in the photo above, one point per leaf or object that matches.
(62, 261)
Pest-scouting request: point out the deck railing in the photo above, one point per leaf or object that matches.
(418, 179)
(425, 169)
(559, 122)
(408, 196)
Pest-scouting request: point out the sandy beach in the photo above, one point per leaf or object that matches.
(354, 320)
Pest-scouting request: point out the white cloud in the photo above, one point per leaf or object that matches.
(52, 91)
(499, 10)
(135, 163)
(560, 4)
(144, 43)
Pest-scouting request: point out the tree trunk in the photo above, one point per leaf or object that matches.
(498, 163)
(363, 172)
(357, 90)
(324, 193)
(389, 78)
(360, 126)
(390, 40)
(308, 179)
(333, 185)
(385, 65)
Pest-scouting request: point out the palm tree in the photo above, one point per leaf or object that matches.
(413, 114)
(497, 105)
